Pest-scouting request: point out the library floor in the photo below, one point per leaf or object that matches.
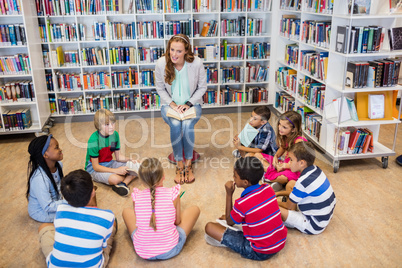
(366, 229)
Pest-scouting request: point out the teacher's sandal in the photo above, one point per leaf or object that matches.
(188, 179)
(180, 172)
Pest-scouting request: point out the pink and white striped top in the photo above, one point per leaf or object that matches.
(147, 242)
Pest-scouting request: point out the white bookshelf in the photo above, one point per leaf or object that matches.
(336, 74)
(40, 106)
(188, 15)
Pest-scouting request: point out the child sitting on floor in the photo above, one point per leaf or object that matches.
(157, 225)
(102, 144)
(312, 193)
(289, 132)
(264, 142)
(257, 210)
(82, 234)
(45, 172)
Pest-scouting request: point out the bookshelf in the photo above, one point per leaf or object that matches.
(22, 79)
(154, 22)
(290, 78)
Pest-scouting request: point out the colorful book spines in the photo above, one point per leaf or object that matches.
(148, 6)
(258, 50)
(12, 35)
(71, 105)
(232, 51)
(10, 7)
(234, 74)
(20, 91)
(121, 31)
(290, 27)
(67, 81)
(91, 7)
(15, 65)
(55, 7)
(17, 119)
(314, 63)
(284, 102)
(97, 80)
(149, 29)
(317, 33)
(319, 6)
(177, 27)
(125, 79)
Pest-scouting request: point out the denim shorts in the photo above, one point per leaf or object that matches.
(103, 177)
(174, 251)
(236, 241)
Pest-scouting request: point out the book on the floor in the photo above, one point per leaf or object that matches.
(236, 227)
(247, 135)
(188, 114)
(133, 167)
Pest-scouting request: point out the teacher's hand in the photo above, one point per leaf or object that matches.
(182, 108)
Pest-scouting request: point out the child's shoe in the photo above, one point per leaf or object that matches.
(399, 160)
(121, 189)
(213, 242)
(276, 186)
(236, 153)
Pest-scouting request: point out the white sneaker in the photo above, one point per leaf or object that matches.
(213, 242)
(276, 186)
(236, 153)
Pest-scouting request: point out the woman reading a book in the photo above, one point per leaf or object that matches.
(181, 84)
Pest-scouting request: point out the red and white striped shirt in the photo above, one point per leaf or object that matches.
(147, 242)
(258, 212)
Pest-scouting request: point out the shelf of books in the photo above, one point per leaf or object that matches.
(102, 53)
(340, 70)
(24, 103)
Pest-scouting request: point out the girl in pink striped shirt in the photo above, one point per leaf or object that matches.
(157, 226)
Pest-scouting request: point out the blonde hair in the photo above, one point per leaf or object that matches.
(294, 120)
(189, 56)
(103, 117)
(151, 173)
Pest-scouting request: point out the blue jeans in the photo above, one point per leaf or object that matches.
(182, 133)
(236, 241)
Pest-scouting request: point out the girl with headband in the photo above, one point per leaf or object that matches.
(181, 83)
(44, 177)
(278, 171)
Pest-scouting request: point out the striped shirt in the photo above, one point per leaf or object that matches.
(147, 242)
(258, 211)
(316, 199)
(81, 234)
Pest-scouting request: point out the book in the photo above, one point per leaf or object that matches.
(352, 108)
(247, 135)
(190, 113)
(133, 167)
(341, 39)
(395, 38)
(236, 227)
(360, 6)
(395, 6)
(376, 106)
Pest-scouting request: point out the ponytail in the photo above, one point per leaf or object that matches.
(152, 221)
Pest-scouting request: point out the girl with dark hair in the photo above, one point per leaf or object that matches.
(44, 176)
(157, 215)
(181, 83)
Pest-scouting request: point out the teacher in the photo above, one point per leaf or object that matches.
(181, 83)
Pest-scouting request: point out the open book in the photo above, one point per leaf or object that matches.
(132, 167)
(247, 135)
(236, 227)
(188, 114)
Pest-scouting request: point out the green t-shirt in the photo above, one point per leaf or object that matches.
(102, 147)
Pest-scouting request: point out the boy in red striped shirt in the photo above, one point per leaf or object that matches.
(264, 233)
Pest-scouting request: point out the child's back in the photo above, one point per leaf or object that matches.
(258, 212)
(165, 236)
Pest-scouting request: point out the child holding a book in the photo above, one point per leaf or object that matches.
(264, 141)
(102, 144)
(181, 83)
(264, 233)
(289, 132)
(82, 234)
(45, 172)
(157, 225)
(312, 193)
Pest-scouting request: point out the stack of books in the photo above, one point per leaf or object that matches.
(17, 119)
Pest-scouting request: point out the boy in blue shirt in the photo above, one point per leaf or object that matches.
(312, 193)
(82, 234)
(102, 144)
(264, 142)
